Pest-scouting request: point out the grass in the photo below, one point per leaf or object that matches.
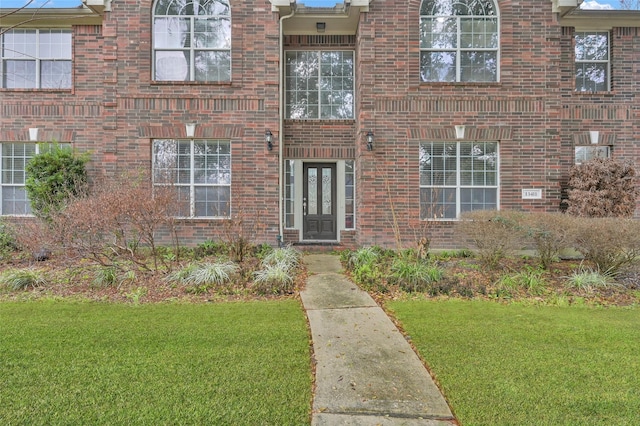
(530, 365)
(106, 364)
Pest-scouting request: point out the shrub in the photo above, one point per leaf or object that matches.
(550, 233)
(288, 257)
(362, 256)
(610, 243)
(274, 279)
(8, 243)
(22, 279)
(414, 275)
(530, 280)
(588, 280)
(602, 188)
(206, 275)
(53, 178)
(121, 217)
(494, 234)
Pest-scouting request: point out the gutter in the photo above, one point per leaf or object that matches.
(281, 130)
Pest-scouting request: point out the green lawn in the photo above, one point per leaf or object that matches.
(526, 365)
(163, 364)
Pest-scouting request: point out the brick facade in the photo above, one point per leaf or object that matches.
(115, 110)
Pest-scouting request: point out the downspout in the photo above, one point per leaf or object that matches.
(281, 130)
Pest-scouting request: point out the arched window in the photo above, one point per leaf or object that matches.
(459, 41)
(192, 40)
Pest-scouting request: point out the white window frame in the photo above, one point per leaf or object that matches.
(12, 185)
(192, 185)
(38, 56)
(457, 186)
(606, 61)
(192, 49)
(458, 50)
(317, 89)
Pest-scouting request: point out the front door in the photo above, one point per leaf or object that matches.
(319, 202)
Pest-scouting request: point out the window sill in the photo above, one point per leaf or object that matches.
(30, 90)
(460, 84)
(599, 93)
(321, 120)
(190, 83)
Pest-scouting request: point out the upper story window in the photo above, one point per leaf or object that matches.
(192, 40)
(319, 84)
(459, 41)
(592, 61)
(36, 59)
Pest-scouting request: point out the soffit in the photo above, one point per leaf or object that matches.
(341, 19)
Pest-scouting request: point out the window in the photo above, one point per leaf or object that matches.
(36, 59)
(192, 40)
(590, 152)
(592, 61)
(200, 172)
(319, 85)
(456, 177)
(349, 195)
(458, 41)
(15, 157)
(289, 194)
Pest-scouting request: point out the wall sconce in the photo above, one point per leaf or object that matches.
(268, 138)
(33, 134)
(190, 129)
(460, 131)
(594, 135)
(321, 26)
(369, 140)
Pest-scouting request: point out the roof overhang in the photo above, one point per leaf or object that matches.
(584, 19)
(341, 19)
(49, 17)
(562, 7)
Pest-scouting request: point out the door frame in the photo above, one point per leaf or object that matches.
(334, 216)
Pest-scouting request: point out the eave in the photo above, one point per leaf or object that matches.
(342, 19)
(48, 17)
(600, 19)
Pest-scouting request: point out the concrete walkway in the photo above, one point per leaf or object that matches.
(366, 372)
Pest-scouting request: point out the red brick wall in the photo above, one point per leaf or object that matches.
(115, 110)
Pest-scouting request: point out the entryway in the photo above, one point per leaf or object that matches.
(319, 207)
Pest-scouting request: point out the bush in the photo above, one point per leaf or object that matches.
(494, 234)
(414, 275)
(602, 188)
(53, 178)
(289, 257)
(610, 243)
(274, 279)
(22, 279)
(588, 280)
(206, 275)
(549, 233)
(122, 216)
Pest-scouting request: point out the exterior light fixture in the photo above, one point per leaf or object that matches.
(321, 26)
(190, 129)
(369, 140)
(33, 134)
(460, 131)
(268, 137)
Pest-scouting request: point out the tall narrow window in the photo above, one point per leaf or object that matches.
(192, 40)
(289, 194)
(456, 177)
(200, 172)
(36, 59)
(459, 41)
(349, 195)
(592, 61)
(319, 84)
